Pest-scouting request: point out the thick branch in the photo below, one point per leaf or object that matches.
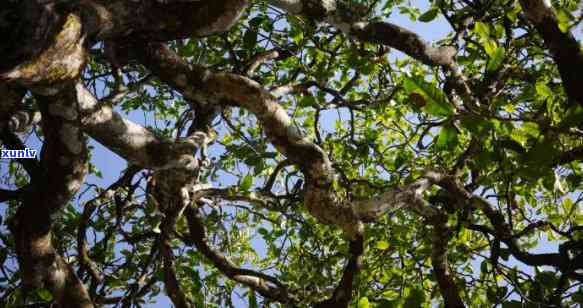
(410, 196)
(10, 97)
(154, 20)
(64, 160)
(49, 40)
(200, 85)
(130, 140)
(564, 47)
(348, 20)
(6, 195)
(171, 282)
(61, 59)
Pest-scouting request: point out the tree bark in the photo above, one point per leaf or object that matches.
(64, 165)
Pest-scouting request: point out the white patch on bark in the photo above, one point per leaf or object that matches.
(85, 99)
(290, 6)
(329, 6)
(58, 277)
(73, 186)
(359, 25)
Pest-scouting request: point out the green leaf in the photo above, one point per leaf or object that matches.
(256, 21)
(542, 153)
(490, 47)
(572, 116)
(363, 303)
(252, 299)
(437, 102)
(542, 90)
(44, 295)
(496, 58)
(307, 101)
(476, 124)
(246, 183)
(565, 19)
(415, 299)
(482, 29)
(429, 15)
(382, 245)
(448, 137)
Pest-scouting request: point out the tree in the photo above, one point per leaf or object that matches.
(293, 161)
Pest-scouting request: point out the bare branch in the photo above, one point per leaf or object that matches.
(85, 263)
(269, 184)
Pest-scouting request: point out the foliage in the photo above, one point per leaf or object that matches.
(383, 120)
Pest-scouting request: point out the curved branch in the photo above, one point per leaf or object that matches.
(198, 84)
(158, 21)
(55, 35)
(564, 47)
(348, 20)
(266, 285)
(130, 140)
(502, 229)
(201, 85)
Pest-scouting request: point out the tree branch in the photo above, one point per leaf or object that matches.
(564, 47)
(131, 141)
(348, 20)
(266, 285)
(64, 157)
(85, 263)
(445, 278)
(343, 293)
(6, 195)
(198, 84)
(502, 229)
